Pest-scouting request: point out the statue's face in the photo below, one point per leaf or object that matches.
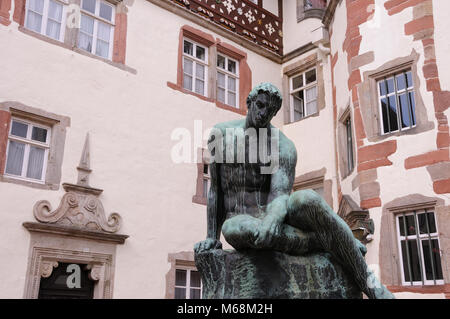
(260, 111)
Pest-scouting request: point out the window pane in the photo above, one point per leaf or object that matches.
(311, 107)
(384, 115)
(102, 48)
(188, 48)
(404, 108)
(187, 82)
(55, 11)
(232, 84)
(39, 134)
(393, 113)
(104, 31)
(410, 225)
(423, 223)
(105, 11)
(87, 24)
(180, 277)
(231, 66)
(53, 29)
(34, 21)
(85, 42)
(200, 53)
(297, 82)
(221, 80)
(89, 5)
(433, 261)
(199, 87)
(199, 71)
(231, 99)
(14, 164)
(221, 62)
(298, 105)
(310, 76)
(411, 249)
(19, 129)
(36, 5)
(195, 279)
(195, 294)
(311, 94)
(390, 85)
(188, 66)
(413, 107)
(36, 162)
(205, 169)
(401, 83)
(409, 79)
(180, 293)
(382, 85)
(221, 95)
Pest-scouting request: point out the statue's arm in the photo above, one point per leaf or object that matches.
(280, 188)
(215, 209)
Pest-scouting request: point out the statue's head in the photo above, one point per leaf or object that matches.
(263, 103)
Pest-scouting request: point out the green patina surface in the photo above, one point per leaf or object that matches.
(268, 274)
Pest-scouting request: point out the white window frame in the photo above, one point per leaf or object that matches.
(45, 19)
(28, 143)
(196, 61)
(228, 74)
(206, 177)
(400, 238)
(302, 88)
(98, 19)
(396, 93)
(187, 288)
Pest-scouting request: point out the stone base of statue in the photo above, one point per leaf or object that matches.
(228, 274)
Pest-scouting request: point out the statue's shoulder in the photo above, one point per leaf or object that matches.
(287, 147)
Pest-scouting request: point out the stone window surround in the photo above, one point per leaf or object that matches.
(198, 198)
(390, 272)
(183, 260)
(342, 143)
(48, 247)
(58, 126)
(315, 179)
(71, 35)
(214, 46)
(300, 67)
(368, 93)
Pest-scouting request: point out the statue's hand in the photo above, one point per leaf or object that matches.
(267, 232)
(207, 244)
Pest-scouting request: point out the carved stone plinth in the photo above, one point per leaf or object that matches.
(228, 274)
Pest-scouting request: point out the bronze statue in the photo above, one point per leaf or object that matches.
(258, 211)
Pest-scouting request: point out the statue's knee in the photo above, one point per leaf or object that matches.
(304, 198)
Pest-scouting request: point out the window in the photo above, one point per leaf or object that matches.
(195, 67)
(97, 28)
(303, 94)
(206, 180)
(188, 284)
(419, 248)
(397, 103)
(227, 80)
(348, 131)
(27, 150)
(45, 17)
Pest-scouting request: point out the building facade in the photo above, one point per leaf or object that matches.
(105, 107)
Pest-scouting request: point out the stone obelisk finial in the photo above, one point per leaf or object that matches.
(84, 168)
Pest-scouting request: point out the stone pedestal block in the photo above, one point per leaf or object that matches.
(230, 274)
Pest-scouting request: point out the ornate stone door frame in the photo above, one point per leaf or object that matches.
(44, 260)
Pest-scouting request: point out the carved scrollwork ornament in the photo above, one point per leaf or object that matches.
(47, 268)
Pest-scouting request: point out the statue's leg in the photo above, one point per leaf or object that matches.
(239, 231)
(308, 210)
